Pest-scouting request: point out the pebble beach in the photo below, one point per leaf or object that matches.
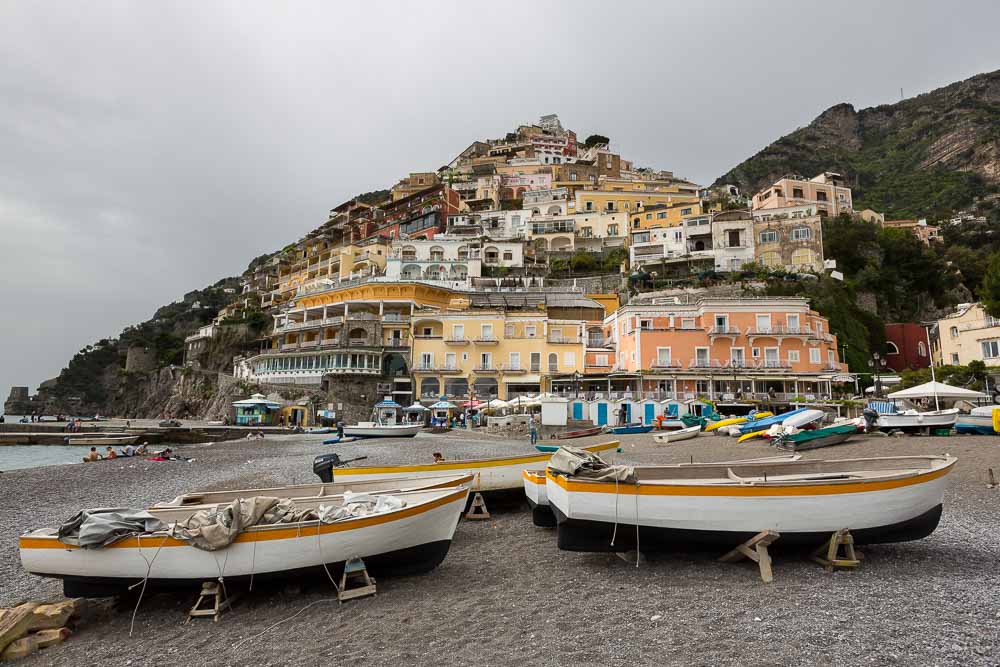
(506, 595)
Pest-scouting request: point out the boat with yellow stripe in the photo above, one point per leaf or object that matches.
(887, 499)
(493, 474)
(412, 539)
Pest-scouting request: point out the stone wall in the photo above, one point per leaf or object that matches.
(139, 360)
(352, 396)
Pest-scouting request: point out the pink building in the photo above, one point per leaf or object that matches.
(827, 192)
(724, 348)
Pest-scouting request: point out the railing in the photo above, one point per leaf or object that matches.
(395, 317)
(309, 343)
(402, 341)
(704, 364)
(457, 341)
(773, 364)
(666, 363)
(724, 331)
(563, 339)
(486, 340)
(780, 331)
(600, 342)
(428, 337)
(486, 369)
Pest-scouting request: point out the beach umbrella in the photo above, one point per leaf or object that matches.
(938, 389)
(443, 405)
(416, 407)
(498, 404)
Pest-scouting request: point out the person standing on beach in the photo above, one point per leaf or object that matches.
(533, 429)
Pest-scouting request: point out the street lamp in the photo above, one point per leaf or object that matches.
(877, 364)
(576, 379)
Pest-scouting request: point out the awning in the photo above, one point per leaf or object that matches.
(937, 389)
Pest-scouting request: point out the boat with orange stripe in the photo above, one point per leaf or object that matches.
(885, 499)
(411, 539)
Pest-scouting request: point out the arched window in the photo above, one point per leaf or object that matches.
(430, 388)
(553, 362)
(954, 332)
(921, 349)
(891, 348)
(803, 257)
(437, 253)
(409, 252)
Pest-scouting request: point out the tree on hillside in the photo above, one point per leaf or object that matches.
(595, 139)
(990, 291)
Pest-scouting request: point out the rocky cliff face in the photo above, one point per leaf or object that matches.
(925, 156)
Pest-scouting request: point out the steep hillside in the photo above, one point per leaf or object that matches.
(923, 157)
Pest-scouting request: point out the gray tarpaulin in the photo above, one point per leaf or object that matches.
(216, 528)
(96, 528)
(576, 462)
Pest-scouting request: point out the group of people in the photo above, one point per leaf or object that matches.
(128, 451)
(74, 426)
(259, 435)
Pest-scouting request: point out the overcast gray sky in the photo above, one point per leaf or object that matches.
(147, 149)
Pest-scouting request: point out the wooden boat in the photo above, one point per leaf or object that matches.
(494, 474)
(677, 436)
(582, 433)
(296, 491)
(891, 499)
(377, 430)
(630, 429)
(820, 437)
(538, 499)
(981, 421)
(105, 441)
(409, 540)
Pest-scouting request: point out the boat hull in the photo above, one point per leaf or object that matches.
(629, 430)
(815, 443)
(413, 539)
(538, 499)
(403, 431)
(918, 422)
(500, 474)
(674, 516)
(677, 436)
(975, 424)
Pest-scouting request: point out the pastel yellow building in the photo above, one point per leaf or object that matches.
(633, 201)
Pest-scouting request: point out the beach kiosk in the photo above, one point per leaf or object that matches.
(441, 412)
(256, 411)
(553, 410)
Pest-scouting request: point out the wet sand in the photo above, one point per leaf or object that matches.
(506, 594)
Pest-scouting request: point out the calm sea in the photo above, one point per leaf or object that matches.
(15, 457)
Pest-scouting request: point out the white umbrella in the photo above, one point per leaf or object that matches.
(938, 389)
(498, 404)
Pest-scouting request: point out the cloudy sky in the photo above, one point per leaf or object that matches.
(147, 149)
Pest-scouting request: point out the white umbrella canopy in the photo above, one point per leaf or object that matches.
(939, 389)
(498, 404)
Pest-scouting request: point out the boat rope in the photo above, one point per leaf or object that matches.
(145, 578)
(253, 560)
(637, 523)
(284, 620)
(322, 558)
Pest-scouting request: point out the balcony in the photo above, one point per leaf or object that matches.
(603, 343)
(288, 347)
(664, 364)
(773, 365)
(431, 368)
(486, 340)
(395, 318)
(705, 364)
(561, 339)
(487, 370)
(456, 341)
(361, 342)
(309, 344)
(724, 331)
(428, 336)
(397, 342)
(780, 331)
(513, 370)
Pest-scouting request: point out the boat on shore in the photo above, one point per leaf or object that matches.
(889, 499)
(983, 420)
(767, 422)
(678, 435)
(630, 429)
(579, 433)
(912, 421)
(411, 539)
(816, 438)
(296, 491)
(493, 474)
(386, 423)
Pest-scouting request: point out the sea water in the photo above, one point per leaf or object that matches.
(17, 457)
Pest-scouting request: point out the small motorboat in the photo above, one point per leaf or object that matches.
(912, 421)
(297, 491)
(804, 418)
(816, 438)
(630, 429)
(677, 436)
(889, 499)
(767, 422)
(377, 430)
(412, 538)
(320, 429)
(983, 420)
(581, 433)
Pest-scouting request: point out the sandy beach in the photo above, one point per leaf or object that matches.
(506, 594)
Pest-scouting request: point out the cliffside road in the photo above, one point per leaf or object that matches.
(505, 590)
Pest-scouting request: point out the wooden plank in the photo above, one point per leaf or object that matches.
(49, 616)
(51, 636)
(15, 623)
(19, 648)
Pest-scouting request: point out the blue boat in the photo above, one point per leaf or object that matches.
(767, 422)
(630, 429)
(339, 441)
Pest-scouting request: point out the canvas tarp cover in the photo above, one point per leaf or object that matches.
(94, 528)
(576, 462)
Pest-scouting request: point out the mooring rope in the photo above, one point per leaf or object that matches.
(145, 578)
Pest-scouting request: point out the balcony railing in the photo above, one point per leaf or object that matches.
(724, 331)
(698, 364)
(563, 339)
(486, 369)
(773, 364)
(457, 341)
(666, 363)
(599, 342)
(780, 331)
(486, 340)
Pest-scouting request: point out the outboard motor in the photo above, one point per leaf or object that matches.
(324, 464)
(871, 419)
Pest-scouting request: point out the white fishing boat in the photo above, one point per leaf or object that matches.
(297, 491)
(981, 421)
(386, 423)
(891, 499)
(413, 538)
(678, 435)
(892, 418)
(493, 474)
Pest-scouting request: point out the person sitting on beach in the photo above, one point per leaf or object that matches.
(93, 456)
(128, 451)
(141, 450)
(112, 454)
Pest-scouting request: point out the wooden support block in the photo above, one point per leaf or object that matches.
(20, 648)
(218, 602)
(15, 623)
(756, 550)
(828, 554)
(992, 484)
(55, 615)
(477, 511)
(355, 581)
(51, 636)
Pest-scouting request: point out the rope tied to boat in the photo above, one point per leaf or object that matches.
(145, 578)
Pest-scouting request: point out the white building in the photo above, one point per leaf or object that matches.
(732, 240)
(553, 201)
(450, 258)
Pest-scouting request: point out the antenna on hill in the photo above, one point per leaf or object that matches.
(901, 94)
